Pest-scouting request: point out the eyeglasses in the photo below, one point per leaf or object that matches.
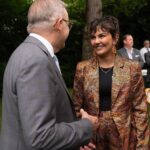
(69, 23)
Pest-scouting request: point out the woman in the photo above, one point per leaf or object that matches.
(112, 88)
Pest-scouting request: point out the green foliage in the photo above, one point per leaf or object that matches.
(76, 10)
(12, 25)
(127, 7)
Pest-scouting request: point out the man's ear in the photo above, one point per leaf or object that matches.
(58, 24)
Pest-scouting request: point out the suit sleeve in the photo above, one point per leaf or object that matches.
(141, 61)
(139, 107)
(142, 54)
(78, 95)
(36, 90)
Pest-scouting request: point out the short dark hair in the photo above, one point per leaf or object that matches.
(107, 23)
(125, 36)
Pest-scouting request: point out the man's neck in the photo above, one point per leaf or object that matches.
(50, 37)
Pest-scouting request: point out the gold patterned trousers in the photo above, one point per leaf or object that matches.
(107, 136)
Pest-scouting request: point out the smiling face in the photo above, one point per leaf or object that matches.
(102, 42)
(146, 44)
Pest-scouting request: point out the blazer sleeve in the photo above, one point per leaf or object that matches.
(36, 90)
(78, 89)
(139, 107)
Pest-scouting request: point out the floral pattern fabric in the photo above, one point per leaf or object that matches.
(129, 107)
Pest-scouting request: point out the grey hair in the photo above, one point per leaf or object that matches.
(43, 13)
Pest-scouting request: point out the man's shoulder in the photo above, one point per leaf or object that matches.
(28, 53)
(143, 49)
(121, 50)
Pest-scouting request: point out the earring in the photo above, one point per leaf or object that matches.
(114, 49)
(94, 53)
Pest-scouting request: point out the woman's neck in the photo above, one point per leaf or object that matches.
(106, 61)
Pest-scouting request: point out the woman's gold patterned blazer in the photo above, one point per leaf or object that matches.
(129, 107)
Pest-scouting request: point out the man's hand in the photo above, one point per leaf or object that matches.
(90, 146)
(93, 119)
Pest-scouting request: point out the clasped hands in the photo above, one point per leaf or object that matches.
(95, 123)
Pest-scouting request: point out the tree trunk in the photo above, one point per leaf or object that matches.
(93, 10)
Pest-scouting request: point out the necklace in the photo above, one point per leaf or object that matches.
(107, 70)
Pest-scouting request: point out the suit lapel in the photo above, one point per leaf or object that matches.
(59, 75)
(31, 39)
(63, 84)
(125, 53)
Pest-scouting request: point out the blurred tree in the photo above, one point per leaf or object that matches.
(93, 10)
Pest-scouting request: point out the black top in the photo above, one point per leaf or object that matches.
(105, 88)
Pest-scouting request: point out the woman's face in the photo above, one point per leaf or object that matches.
(102, 42)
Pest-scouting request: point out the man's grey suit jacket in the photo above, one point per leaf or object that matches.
(136, 55)
(37, 111)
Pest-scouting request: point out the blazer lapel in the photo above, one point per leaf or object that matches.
(117, 78)
(93, 81)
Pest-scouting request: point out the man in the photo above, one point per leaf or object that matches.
(128, 51)
(37, 111)
(145, 49)
(145, 53)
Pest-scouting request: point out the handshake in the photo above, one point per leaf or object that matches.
(95, 123)
(92, 119)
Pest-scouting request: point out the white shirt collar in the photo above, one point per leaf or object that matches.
(129, 50)
(44, 42)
